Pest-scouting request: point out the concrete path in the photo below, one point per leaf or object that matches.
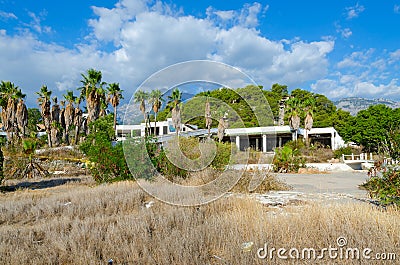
(333, 187)
(333, 182)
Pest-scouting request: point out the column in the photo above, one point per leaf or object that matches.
(264, 142)
(238, 142)
(332, 141)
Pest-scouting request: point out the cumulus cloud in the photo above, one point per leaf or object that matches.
(355, 87)
(363, 74)
(146, 38)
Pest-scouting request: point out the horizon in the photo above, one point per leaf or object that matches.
(331, 48)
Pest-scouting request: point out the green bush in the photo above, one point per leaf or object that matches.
(146, 158)
(107, 160)
(225, 151)
(385, 188)
(287, 159)
(343, 151)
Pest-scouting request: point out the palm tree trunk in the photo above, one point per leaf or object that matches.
(155, 123)
(115, 119)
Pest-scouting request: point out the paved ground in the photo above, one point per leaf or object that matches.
(333, 182)
(333, 187)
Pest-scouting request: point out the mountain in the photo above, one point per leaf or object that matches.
(355, 104)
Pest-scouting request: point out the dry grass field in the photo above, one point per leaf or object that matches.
(79, 223)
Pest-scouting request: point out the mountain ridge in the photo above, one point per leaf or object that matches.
(355, 104)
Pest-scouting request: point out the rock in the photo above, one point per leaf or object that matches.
(334, 160)
(366, 166)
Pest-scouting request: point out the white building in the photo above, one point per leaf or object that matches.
(163, 128)
(264, 139)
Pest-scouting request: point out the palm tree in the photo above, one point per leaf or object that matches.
(22, 115)
(294, 107)
(174, 101)
(92, 91)
(308, 105)
(77, 120)
(114, 94)
(55, 122)
(9, 97)
(156, 102)
(207, 116)
(44, 101)
(141, 97)
(103, 108)
(62, 118)
(69, 113)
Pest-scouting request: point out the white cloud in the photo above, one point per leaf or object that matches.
(346, 33)
(395, 56)
(36, 23)
(354, 11)
(246, 17)
(396, 9)
(330, 88)
(369, 73)
(225, 15)
(351, 86)
(144, 38)
(5, 15)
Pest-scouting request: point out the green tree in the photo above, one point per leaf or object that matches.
(370, 127)
(343, 122)
(34, 119)
(107, 160)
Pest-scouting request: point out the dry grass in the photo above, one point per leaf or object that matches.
(74, 224)
(258, 181)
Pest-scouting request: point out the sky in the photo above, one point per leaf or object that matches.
(336, 48)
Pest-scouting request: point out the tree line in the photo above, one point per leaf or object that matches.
(376, 129)
(59, 120)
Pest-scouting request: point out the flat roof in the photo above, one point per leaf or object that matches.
(258, 130)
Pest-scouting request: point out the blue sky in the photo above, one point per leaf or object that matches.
(336, 48)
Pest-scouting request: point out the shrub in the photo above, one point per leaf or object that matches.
(147, 158)
(107, 161)
(385, 188)
(348, 150)
(287, 159)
